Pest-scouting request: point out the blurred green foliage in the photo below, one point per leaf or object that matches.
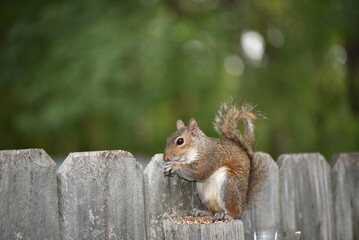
(94, 75)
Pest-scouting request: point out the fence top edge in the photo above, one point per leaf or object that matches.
(264, 154)
(283, 158)
(346, 156)
(155, 161)
(23, 150)
(38, 156)
(100, 155)
(100, 152)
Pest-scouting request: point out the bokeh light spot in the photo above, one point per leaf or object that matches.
(234, 65)
(275, 37)
(338, 53)
(253, 45)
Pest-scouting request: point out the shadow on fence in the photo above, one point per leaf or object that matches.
(107, 195)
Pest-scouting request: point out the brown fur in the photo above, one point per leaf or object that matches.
(226, 125)
(257, 174)
(201, 158)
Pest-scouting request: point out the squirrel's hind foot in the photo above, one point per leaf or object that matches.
(199, 213)
(221, 216)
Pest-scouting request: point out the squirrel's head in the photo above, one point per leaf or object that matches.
(182, 145)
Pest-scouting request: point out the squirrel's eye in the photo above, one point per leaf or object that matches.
(180, 141)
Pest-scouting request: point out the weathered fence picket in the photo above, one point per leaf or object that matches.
(264, 215)
(345, 181)
(101, 196)
(165, 196)
(106, 195)
(306, 198)
(197, 231)
(28, 195)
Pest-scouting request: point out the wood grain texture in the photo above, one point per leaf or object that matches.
(166, 196)
(28, 195)
(345, 181)
(216, 231)
(101, 196)
(305, 195)
(106, 195)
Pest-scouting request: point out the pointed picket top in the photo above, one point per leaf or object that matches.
(28, 195)
(166, 196)
(101, 196)
(305, 195)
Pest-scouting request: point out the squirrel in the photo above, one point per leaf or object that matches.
(228, 176)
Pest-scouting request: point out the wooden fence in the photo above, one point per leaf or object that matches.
(107, 195)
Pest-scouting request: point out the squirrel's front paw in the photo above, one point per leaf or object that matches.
(168, 170)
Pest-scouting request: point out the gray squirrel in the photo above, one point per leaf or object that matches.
(227, 175)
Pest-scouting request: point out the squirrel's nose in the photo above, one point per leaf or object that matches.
(165, 157)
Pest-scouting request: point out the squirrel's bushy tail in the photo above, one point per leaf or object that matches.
(226, 123)
(257, 173)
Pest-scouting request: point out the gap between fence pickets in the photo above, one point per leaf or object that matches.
(110, 194)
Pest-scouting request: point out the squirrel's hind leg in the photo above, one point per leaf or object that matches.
(235, 190)
(199, 213)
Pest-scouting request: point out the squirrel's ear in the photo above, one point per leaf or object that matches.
(192, 127)
(179, 124)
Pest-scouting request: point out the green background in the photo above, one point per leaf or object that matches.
(96, 75)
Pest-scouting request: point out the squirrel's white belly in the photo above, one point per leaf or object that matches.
(211, 190)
